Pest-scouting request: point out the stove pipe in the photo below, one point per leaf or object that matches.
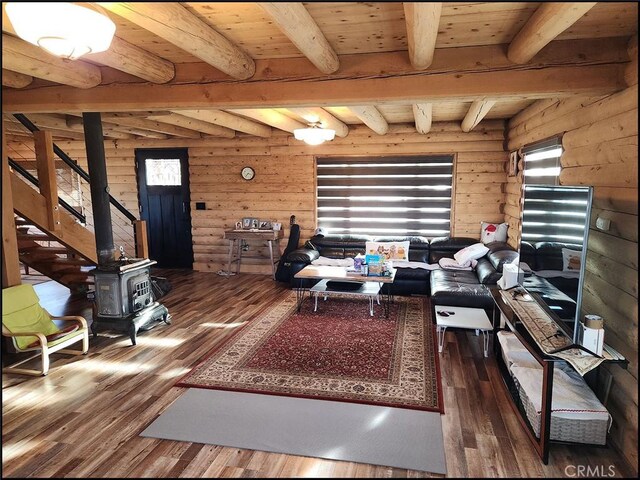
(94, 142)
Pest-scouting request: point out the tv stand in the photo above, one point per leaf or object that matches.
(514, 324)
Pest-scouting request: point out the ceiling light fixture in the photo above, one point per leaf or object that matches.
(314, 135)
(67, 30)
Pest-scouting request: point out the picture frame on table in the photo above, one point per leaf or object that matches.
(265, 225)
(247, 222)
(255, 223)
(239, 225)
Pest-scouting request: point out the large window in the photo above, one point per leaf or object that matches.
(385, 195)
(550, 213)
(542, 162)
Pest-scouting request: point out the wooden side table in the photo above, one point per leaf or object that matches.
(238, 238)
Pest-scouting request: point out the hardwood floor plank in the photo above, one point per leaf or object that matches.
(84, 418)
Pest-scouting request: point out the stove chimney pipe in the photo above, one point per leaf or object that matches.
(94, 142)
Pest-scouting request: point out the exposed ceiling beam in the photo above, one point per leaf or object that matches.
(477, 111)
(75, 123)
(423, 115)
(546, 23)
(371, 117)
(135, 61)
(49, 120)
(523, 82)
(151, 125)
(225, 119)
(193, 124)
(177, 25)
(422, 19)
(270, 117)
(315, 114)
(303, 31)
(23, 57)
(15, 79)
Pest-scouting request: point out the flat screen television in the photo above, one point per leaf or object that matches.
(554, 226)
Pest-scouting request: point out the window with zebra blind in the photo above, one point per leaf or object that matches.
(542, 162)
(382, 196)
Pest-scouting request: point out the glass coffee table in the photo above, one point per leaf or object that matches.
(370, 287)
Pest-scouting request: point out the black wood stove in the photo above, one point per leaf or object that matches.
(123, 298)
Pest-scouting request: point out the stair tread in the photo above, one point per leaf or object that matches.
(35, 236)
(42, 248)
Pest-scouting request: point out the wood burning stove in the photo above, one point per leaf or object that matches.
(123, 298)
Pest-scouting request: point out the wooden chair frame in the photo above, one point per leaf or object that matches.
(45, 350)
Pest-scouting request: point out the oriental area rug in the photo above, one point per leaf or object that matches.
(338, 353)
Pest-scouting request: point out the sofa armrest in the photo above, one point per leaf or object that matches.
(487, 274)
(303, 255)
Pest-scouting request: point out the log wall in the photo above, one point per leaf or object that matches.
(285, 178)
(600, 141)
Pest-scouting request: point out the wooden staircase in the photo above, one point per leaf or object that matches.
(44, 253)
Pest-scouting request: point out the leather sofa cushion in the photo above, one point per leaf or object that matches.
(549, 255)
(528, 254)
(500, 257)
(459, 289)
(303, 255)
(340, 241)
(412, 274)
(331, 252)
(446, 247)
(486, 273)
(351, 252)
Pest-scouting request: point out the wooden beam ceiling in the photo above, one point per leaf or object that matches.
(194, 124)
(175, 24)
(296, 23)
(270, 117)
(477, 111)
(151, 125)
(135, 61)
(423, 115)
(372, 118)
(15, 79)
(75, 123)
(546, 23)
(225, 119)
(326, 120)
(525, 82)
(27, 59)
(422, 20)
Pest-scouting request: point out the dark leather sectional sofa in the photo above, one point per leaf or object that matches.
(461, 288)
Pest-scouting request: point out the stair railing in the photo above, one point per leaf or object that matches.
(63, 203)
(139, 226)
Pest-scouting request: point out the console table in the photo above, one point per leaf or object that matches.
(238, 238)
(547, 361)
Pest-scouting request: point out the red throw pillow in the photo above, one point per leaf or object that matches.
(55, 336)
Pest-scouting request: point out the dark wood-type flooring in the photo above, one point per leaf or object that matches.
(83, 419)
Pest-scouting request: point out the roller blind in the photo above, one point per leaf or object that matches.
(554, 214)
(542, 162)
(385, 195)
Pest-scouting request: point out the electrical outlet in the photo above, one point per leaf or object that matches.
(603, 224)
(245, 247)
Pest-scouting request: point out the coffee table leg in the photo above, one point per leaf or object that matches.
(485, 343)
(371, 306)
(315, 305)
(441, 331)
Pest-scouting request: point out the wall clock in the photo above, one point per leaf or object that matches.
(248, 173)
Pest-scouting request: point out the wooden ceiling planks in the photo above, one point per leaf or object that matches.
(364, 27)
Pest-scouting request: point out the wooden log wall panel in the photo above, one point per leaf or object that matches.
(600, 141)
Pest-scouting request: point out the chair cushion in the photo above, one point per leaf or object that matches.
(21, 312)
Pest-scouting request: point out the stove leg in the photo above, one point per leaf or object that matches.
(132, 333)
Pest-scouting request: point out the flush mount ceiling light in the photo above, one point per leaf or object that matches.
(314, 135)
(64, 29)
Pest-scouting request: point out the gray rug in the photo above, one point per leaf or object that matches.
(393, 437)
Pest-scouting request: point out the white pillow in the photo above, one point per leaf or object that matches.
(493, 232)
(389, 250)
(472, 252)
(571, 260)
